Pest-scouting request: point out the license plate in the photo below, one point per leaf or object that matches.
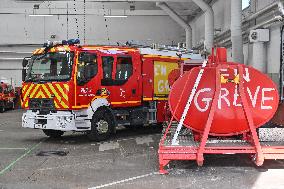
(39, 126)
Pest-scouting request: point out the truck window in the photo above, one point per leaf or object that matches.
(9, 88)
(124, 68)
(6, 90)
(87, 67)
(1, 89)
(52, 66)
(107, 66)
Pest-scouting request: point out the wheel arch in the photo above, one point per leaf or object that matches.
(101, 104)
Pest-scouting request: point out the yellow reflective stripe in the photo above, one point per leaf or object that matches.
(55, 103)
(66, 87)
(40, 94)
(82, 106)
(63, 104)
(52, 49)
(34, 91)
(27, 104)
(46, 91)
(24, 88)
(158, 98)
(41, 51)
(66, 48)
(57, 96)
(96, 97)
(75, 76)
(28, 91)
(54, 91)
(147, 99)
(126, 102)
(35, 51)
(62, 91)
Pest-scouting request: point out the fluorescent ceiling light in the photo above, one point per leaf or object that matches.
(40, 15)
(115, 16)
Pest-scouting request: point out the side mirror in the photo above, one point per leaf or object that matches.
(24, 74)
(25, 62)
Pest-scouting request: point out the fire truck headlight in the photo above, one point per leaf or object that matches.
(68, 119)
(60, 122)
(63, 121)
(59, 119)
(24, 119)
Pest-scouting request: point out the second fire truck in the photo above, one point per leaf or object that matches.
(7, 97)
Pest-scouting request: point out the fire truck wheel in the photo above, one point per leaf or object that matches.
(102, 126)
(13, 106)
(2, 109)
(53, 133)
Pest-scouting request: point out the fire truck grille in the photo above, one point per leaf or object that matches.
(41, 104)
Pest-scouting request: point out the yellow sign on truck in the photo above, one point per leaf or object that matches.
(161, 73)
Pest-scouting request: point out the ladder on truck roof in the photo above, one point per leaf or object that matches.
(171, 53)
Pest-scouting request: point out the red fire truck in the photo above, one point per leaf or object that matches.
(68, 87)
(7, 97)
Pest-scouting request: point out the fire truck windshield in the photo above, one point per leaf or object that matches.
(53, 66)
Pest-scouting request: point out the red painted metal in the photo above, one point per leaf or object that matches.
(173, 76)
(161, 111)
(249, 144)
(229, 118)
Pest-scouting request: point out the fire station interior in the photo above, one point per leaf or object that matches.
(175, 94)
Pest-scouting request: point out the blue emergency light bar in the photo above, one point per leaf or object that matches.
(63, 42)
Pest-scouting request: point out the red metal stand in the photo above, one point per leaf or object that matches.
(189, 149)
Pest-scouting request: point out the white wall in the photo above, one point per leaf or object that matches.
(23, 29)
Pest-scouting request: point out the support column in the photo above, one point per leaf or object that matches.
(236, 31)
(209, 24)
(180, 21)
(259, 57)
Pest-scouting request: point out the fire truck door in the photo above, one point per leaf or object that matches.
(124, 84)
(87, 78)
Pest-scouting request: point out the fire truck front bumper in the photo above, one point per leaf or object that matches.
(60, 120)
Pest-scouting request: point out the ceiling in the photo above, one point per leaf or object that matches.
(142, 7)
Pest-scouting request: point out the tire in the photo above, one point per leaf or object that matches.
(13, 106)
(2, 109)
(102, 126)
(53, 133)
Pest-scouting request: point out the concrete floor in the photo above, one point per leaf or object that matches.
(128, 160)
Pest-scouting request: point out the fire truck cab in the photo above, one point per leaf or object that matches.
(94, 89)
(7, 97)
